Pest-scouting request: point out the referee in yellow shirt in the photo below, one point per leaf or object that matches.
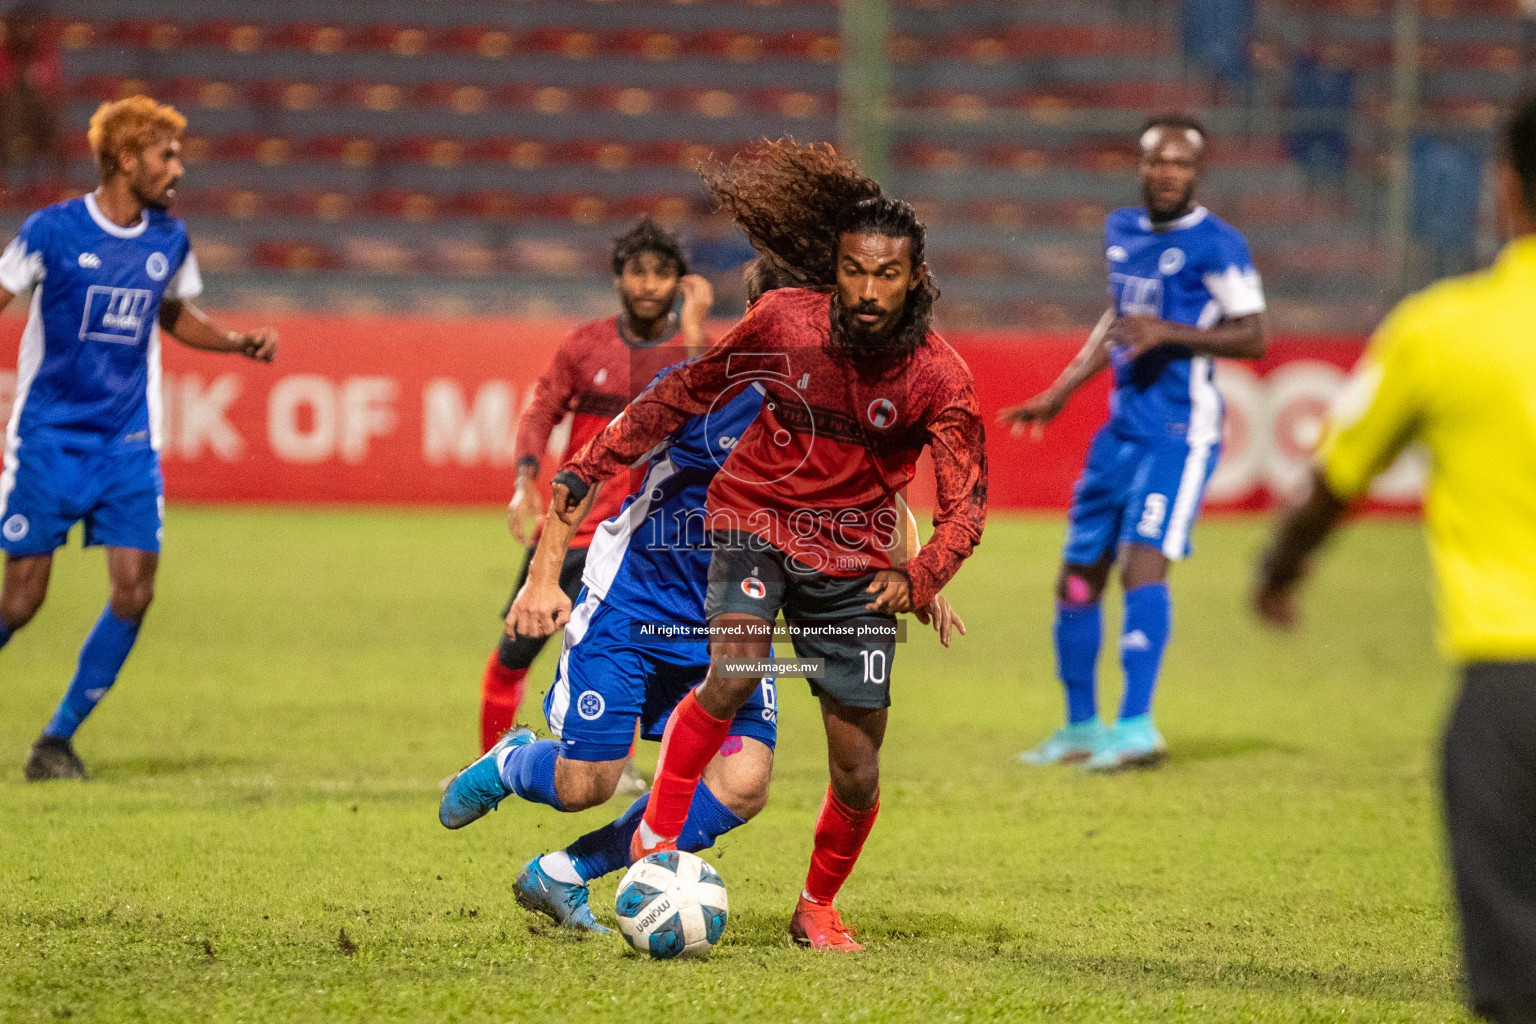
(1454, 367)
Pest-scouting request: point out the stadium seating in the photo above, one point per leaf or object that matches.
(482, 146)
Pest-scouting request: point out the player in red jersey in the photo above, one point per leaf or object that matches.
(802, 512)
(595, 372)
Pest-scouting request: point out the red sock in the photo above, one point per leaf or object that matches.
(840, 835)
(501, 692)
(692, 738)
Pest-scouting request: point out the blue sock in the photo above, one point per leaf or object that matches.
(101, 658)
(607, 849)
(530, 772)
(1078, 627)
(5, 634)
(1148, 621)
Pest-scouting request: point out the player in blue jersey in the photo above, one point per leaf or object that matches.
(635, 644)
(107, 272)
(1184, 292)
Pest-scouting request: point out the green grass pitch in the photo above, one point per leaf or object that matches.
(267, 770)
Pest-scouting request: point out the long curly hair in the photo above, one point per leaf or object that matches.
(794, 201)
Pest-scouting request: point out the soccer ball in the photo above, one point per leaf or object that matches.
(672, 904)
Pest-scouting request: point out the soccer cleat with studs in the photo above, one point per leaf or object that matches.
(645, 842)
(53, 757)
(478, 789)
(562, 902)
(820, 926)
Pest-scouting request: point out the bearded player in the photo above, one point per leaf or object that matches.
(647, 567)
(1185, 292)
(804, 517)
(108, 271)
(596, 370)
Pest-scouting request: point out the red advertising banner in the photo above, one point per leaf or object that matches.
(405, 410)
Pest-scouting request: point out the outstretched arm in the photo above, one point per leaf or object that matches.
(1372, 418)
(1044, 407)
(1301, 531)
(192, 327)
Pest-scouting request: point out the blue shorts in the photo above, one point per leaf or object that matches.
(46, 489)
(1137, 491)
(607, 682)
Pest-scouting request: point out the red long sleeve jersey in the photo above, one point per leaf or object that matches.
(816, 475)
(593, 375)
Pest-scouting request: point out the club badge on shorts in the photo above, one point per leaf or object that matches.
(753, 588)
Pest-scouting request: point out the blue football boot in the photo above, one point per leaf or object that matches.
(561, 902)
(1069, 745)
(1133, 743)
(476, 790)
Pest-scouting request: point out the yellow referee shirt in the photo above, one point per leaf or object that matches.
(1454, 367)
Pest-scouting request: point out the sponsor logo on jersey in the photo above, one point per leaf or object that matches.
(1116, 254)
(16, 527)
(590, 705)
(753, 588)
(727, 441)
(1171, 261)
(1139, 296)
(115, 314)
(881, 413)
(157, 266)
(90, 261)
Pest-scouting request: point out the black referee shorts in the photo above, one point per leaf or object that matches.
(1490, 799)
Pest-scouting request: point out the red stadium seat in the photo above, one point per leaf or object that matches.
(726, 44)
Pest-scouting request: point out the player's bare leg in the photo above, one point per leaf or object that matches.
(854, 736)
(26, 586)
(1079, 589)
(1134, 742)
(697, 729)
(132, 576)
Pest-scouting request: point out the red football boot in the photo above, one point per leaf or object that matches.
(820, 926)
(641, 847)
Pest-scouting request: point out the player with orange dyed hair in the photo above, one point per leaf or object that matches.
(129, 126)
(107, 272)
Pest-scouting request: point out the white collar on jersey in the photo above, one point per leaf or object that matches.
(106, 224)
(1189, 220)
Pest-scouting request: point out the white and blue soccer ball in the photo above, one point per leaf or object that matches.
(672, 904)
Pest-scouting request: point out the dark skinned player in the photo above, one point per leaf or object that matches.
(1185, 293)
(803, 512)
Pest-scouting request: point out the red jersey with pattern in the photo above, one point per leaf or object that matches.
(594, 374)
(817, 473)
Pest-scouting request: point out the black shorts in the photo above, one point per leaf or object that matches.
(518, 654)
(1490, 799)
(747, 577)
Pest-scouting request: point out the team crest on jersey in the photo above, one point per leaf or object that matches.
(1171, 261)
(157, 266)
(590, 705)
(1116, 254)
(753, 588)
(16, 527)
(881, 413)
(90, 261)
